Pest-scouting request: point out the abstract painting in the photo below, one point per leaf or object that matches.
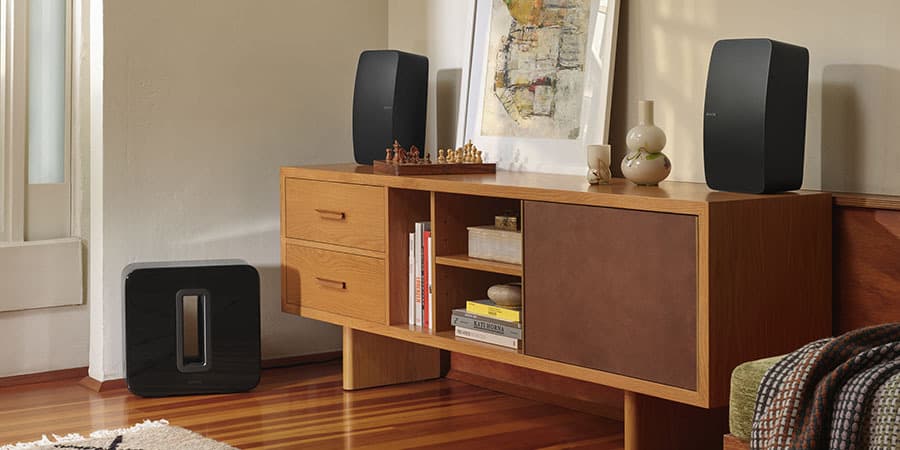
(534, 80)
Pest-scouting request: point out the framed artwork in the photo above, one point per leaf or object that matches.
(539, 82)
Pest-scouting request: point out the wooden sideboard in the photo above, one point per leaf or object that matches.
(658, 291)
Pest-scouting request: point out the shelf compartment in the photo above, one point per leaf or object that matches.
(454, 286)
(484, 265)
(405, 208)
(454, 213)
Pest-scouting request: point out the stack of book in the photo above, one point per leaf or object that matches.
(485, 321)
(421, 301)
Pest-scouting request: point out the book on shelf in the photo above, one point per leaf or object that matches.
(417, 282)
(462, 318)
(426, 279)
(491, 309)
(488, 338)
(421, 303)
(412, 278)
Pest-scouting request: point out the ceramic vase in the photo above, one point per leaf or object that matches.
(645, 163)
(598, 157)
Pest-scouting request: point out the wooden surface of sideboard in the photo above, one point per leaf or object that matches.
(671, 286)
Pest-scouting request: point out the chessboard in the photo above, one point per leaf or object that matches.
(464, 160)
(425, 168)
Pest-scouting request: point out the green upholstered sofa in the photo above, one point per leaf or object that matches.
(745, 380)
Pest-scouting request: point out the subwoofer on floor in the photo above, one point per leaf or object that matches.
(191, 328)
(389, 102)
(754, 125)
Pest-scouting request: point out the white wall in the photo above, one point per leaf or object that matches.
(437, 29)
(663, 55)
(854, 80)
(43, 340)
(203, 102)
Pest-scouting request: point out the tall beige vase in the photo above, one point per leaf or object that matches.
(645, 163)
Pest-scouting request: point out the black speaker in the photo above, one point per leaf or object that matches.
(754, 124)
(191, 328)
(389, 102)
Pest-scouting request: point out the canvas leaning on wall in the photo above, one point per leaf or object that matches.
(535, 68)
(539, 81)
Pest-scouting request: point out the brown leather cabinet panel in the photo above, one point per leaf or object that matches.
(612, 289)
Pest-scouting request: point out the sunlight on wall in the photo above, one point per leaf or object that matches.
(853, 81)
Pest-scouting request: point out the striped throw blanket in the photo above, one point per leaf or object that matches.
(836, 393)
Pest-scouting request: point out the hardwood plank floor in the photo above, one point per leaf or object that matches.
(305, 407)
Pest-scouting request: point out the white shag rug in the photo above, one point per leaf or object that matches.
(149, 435)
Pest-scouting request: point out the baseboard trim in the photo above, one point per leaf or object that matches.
(539, 386)
(101, 386)
(44, 377)
(519, 390)
(274, 363)
(291, 361)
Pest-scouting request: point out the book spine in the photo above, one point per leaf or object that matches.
(418, 281)
(487, 337)
(412, 279)
(486, 326)
(492, 311)
(429, 305)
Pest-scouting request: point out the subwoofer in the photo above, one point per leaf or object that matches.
(389, 102)
(754, 124)
(191, 327)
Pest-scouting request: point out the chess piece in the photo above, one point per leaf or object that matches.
(427, 158)
(415, 154)
(478, 158)
(441, 159)
(387, 155)
(458, 158)
(396, 151)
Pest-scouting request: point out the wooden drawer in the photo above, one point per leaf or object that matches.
(336, 213)
(621, 284)
(336, 282)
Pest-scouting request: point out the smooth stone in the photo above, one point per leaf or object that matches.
(505, 294)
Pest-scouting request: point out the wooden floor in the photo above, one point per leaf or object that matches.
(305, 407)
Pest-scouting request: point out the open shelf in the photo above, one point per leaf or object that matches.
(484, 265)
(448, 340)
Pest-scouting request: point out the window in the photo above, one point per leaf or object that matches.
(40, 261)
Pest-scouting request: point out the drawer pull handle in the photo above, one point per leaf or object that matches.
(331, 215)
(334, 284)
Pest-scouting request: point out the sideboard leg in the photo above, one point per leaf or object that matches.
(652, 423)
(371, 360)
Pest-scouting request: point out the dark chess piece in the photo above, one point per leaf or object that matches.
(397, 149)
(387, 155)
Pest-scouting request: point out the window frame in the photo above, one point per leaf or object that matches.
(21, 203)
(13, 117)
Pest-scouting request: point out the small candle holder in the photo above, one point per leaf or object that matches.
(598, 157)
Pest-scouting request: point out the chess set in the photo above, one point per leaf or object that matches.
(464, 160)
